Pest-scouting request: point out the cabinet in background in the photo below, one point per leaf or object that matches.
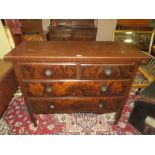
(75, 29)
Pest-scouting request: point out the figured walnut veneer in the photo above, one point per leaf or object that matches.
(68, 77)
(80, 89)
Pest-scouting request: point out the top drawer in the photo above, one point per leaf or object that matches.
(106, 71)
(48, 71)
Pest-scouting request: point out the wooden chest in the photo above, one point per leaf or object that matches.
(72, 29)
(68, 77)
(68, 33)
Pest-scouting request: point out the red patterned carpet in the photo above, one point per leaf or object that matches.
(16, 121)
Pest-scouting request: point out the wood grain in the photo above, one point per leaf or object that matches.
(75, 105)
(74, 29)
(59, 89)
(38, 71)
(72, 51)
(97, 71)
(8, 86)
(81, 85)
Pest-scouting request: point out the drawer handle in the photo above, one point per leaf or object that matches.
(52, 106)
(103, 88)
(48, 89)
(108, 72)
(48, 72)
(101, 105)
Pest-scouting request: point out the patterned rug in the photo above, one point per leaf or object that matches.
(16, 121)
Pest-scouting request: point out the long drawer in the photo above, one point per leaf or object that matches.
(48, 71)
(89, 34)
(76, 88)
(76, 105)
(106, 71)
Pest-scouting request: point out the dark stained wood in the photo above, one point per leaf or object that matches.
(102, 71)
(72, 34)
(59, 34)
(59, 89)
(75, 105)
(5, 68)
(48, 71)
(119, 112)
(28, 105)
(84, 34)
(8, 84)
(31, 26)
(75, 29)
(74, 23)
(134, 22)
(72, 51)
(79, 83)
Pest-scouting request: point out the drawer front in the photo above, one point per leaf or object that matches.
(76, 105)
(64, 89)
(106, 71)
(61, 32)
(44, 71)
(58, 34)
(87, 34)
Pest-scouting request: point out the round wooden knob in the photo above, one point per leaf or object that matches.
(48, 89)
(101, 105)
(108, 72)
(48, 72)
(143, 61)
(103, 88)
(52, 106)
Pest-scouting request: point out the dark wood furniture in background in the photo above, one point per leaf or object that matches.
(33, 27)
(134, 24)
(153, 49)
(75, 29)
(144, 106)
(69, 77)
(8, 84)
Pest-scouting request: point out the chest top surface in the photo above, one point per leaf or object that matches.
(75, 51)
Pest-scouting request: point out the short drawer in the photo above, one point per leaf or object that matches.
(84, 33)
(85, 89)
(59, 34)
(106, 71)
(60, 31)
(48, 71)
(75, 105)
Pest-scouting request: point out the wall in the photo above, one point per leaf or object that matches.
(45, 24)
(105, 28)
(4, 42)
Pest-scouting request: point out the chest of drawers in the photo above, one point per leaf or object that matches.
(69, 77)
(72, 29)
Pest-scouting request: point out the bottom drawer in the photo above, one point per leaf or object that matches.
(76, 105)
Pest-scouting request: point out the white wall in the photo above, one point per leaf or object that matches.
(105, 28)
(45, 24)
(4, 42)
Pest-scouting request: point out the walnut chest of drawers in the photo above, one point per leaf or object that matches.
(73, 77)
